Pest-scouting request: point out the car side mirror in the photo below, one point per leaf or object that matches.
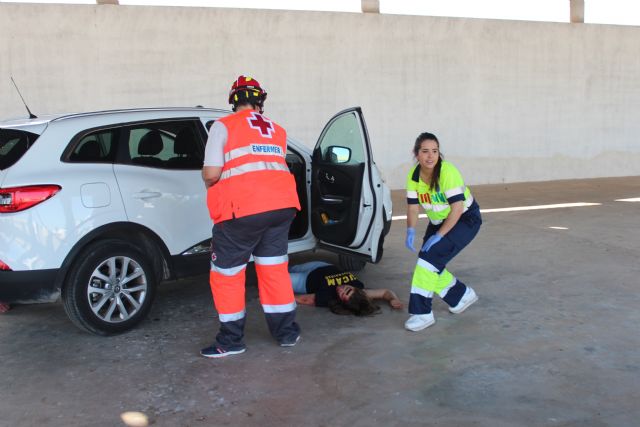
(337, 154)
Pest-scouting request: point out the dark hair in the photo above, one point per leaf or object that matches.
(426, 136)
(359, 304)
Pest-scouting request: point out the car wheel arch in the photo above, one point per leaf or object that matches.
(126, 231)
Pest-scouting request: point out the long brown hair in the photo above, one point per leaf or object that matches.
(435, 176)
(358, 304)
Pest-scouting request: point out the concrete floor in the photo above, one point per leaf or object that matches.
(553, 340)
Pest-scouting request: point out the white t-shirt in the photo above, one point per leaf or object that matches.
(214, 150)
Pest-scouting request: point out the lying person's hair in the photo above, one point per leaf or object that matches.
(359, 304)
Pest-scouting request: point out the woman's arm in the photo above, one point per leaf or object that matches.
(306, 299)
(456, 212)
(385, 294)
(412, 215)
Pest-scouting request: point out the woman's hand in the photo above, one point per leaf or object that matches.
(393, 299)
(306, 299)
(385, 294)
(411, 236)
(430, 242)
(396, 304)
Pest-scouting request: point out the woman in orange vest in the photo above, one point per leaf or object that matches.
(252, 200)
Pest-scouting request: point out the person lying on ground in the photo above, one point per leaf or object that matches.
(325, 285)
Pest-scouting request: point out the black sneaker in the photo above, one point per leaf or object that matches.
(215, 352)
(290, 344)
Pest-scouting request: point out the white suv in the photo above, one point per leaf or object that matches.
(99, 207)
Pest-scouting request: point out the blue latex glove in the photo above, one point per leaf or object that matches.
(430, 242)
(411, 235)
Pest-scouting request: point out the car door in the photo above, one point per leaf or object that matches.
(346, 199)
(159, 174)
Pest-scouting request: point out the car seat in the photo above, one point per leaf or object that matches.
(186, 151)
(150, 145)
(89, 151)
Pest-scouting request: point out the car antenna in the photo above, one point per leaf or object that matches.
(31, 115)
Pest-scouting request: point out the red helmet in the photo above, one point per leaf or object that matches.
(246, 89)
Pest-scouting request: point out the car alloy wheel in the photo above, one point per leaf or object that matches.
(111, 287)
(117, 289)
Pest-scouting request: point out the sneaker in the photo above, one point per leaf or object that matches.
(418, 322)
(290, 344)
(467, 299)
(217, 352)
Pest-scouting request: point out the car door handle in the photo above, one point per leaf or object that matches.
(331, 200)
(146, 195)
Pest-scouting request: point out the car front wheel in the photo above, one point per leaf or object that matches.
(109, 289)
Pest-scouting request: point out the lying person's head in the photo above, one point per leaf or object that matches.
(352, 300)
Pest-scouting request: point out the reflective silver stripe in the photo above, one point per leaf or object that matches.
(280, 308)
(426, 265)
(232, 317)
(270, 260)
(443, 293)
(439, 208)
(257, 149)
(254, 167)
(426, 206)
(412, 194)
(238, 152)
(228, 271)
(423, 292)
(436, 221)
(454, 192)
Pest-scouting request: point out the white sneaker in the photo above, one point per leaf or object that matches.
(418, 322)
(467, 299)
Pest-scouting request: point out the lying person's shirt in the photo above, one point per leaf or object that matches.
(323, 282)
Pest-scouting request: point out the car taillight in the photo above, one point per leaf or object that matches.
(4, 267)
(16, 199)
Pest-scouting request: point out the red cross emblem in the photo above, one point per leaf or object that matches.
(262, 124)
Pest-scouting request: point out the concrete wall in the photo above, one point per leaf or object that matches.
(510, 101)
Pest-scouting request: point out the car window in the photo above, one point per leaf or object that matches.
(13, 145)
(95, 147)
(166, 145)
(343, 141)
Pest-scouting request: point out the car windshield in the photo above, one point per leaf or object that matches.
(13, 144)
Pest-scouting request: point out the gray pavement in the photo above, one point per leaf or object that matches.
(553, 340)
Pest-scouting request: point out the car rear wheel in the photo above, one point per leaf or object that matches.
(110, 289)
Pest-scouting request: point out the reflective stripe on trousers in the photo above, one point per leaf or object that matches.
(227, 288)
(274, 284)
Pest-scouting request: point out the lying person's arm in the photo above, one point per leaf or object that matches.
(386, 295)
(306, 299)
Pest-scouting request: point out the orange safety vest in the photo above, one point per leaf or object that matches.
(255, 176)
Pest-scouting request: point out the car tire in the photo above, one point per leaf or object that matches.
(103, 299)
(350, 263)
